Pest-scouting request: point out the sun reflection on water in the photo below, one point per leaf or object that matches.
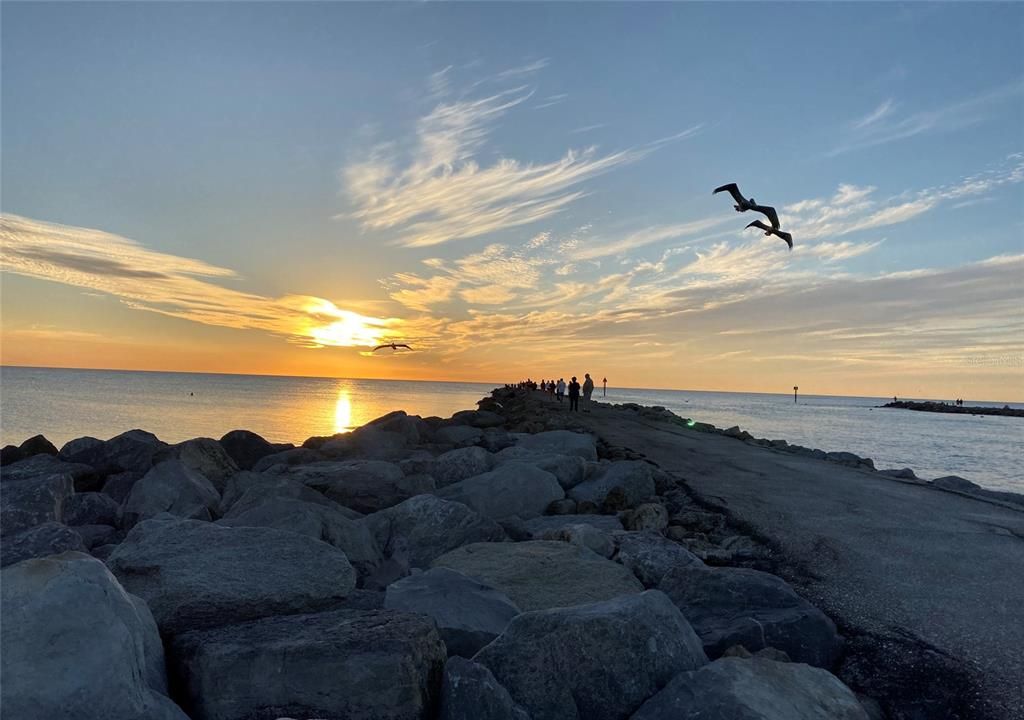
(343, 412)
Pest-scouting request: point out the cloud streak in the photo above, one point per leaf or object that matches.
(174, 286)
(439, 191)
(883, 126)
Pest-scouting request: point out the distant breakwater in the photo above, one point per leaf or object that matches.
(941, 407)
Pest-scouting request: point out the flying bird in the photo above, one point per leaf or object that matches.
(742, 204)
(769, 230)
(393, 346)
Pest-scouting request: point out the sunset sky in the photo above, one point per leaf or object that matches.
(519, 190)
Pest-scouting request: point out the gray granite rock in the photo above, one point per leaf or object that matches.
(541, 574)
(204, 455)
(650, 555)
(459, 464)
(422, 528)
(173, 488)
(76, 645)
(730, 606)
(468, 613)
(363, 485)
(375, 664)
(317, 521)
(599, 661)
(633, 478)
(91, 508)
(560, 442)
(245, 448)
(754, 689)
(49, 538)
(510, 489)
(197, 574)
(470, 692)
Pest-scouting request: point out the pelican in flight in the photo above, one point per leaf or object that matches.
(393, 346)
(769, 230)
(742, 204)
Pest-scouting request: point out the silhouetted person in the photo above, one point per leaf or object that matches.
(588, 390)
(604, 390)
(574, 394)
(560, 389)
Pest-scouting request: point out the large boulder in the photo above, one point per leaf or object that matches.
(753, 689)
(204, 455)
(317, 521)
(37, 445)
(513, 489)
(91, 508)
(650, 555)
(76, 646)
(569, 470)
(38, 467)
(293, 456)
(459, 464)
(245, 448)
(458, 435)
(560, 442)
(595, 662)
(47, 539)
(247, 490)
(363, 485)
(470, 692)
(372, 442)
(196, 574)
(410, 427)
(478, 418)
(468, 613)
(540, 574)
(539, 526)
(422, 528)
(32, 501)
(634, 478)
(375, 664)
(171, 487)
(737, 606)
(119, 485)
(132, 450)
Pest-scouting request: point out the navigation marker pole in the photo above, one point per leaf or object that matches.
(795, 388)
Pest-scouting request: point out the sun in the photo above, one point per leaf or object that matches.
(343, 328)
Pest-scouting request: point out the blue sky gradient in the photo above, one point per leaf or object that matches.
(314, 149)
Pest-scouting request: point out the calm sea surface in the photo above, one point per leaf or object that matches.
(65, 404)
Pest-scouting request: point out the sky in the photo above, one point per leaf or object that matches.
(519, 190)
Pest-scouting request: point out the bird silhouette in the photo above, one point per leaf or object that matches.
(769, 230)
(743, 204)
(393, 346)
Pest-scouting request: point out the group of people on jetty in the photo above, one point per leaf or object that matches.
(559, 389)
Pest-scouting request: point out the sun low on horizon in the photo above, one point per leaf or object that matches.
(495, 191)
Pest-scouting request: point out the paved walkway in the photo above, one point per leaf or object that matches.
(930, 582)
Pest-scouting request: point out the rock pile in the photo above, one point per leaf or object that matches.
(475, 567)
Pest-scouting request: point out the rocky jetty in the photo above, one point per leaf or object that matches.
(941, 407)
(496, 564)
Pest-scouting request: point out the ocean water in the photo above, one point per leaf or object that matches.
(65, 404)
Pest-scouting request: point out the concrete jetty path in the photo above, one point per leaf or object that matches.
(928, 585)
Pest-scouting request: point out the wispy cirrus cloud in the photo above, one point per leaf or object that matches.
(175, 286)
(438, 191)
(874, 116)
(855, 208)
(883, 125)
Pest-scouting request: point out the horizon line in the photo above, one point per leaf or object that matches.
(466, 382)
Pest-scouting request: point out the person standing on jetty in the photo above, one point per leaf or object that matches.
(560, 389)
(588, 390)
(574, 395)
